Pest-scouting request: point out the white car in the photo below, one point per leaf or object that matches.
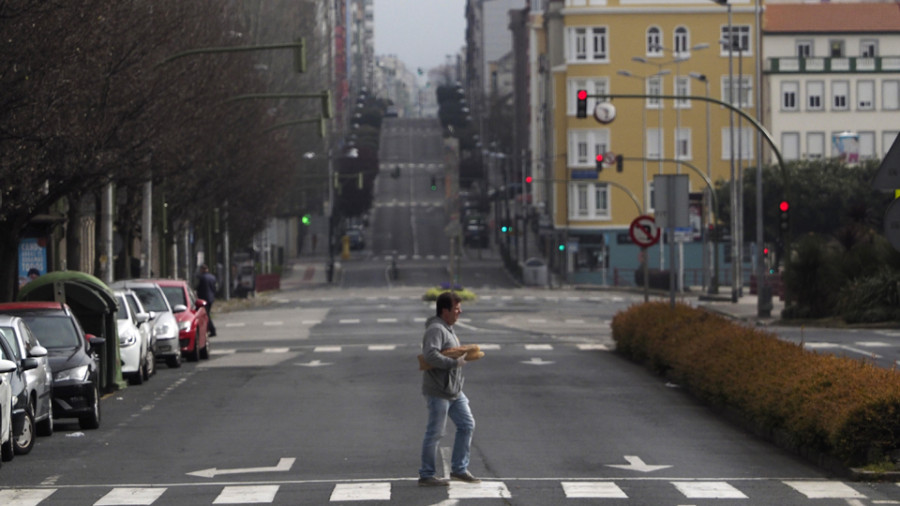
(33, 414)
(164, 327)
(135, 346)
(7, 370)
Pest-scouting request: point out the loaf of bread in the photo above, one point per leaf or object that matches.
(471, 352)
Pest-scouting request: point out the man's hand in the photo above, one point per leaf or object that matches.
(461, 361)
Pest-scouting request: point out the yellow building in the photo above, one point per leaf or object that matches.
(656, 49)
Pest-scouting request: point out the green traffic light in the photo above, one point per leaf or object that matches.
(504, 229)
(305, 220)
(562, 247)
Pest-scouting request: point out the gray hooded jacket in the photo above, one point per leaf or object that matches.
(445, 380)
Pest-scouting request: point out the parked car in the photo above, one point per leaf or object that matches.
(135, 341)
(357, 241)
(74, 359)
(33, 407)
(193, 322)
(162, 318)
(8, 368)
(475, 233)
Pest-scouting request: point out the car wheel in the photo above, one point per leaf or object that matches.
(24, 441)
(45, 427)
(138, 377)
(194, 356)
(92, 420)
(149, 365)
(174, 361)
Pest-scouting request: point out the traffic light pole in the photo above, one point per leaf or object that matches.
(764, 292)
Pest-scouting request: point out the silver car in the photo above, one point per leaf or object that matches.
(33, 411)
(135, 339)
(162, 318)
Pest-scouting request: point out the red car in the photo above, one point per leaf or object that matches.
(190, 312)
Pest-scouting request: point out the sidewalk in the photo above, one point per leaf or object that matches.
(745, 309)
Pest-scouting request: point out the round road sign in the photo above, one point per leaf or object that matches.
(604, 112)
(643, 231)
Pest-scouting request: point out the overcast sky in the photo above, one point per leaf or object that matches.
(420, 32)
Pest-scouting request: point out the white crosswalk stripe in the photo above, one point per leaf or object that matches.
(383, 491)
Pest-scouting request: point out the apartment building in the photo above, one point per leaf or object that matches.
(833, 75)
(655, 49)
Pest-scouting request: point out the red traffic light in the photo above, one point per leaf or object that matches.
(784, 206)
(600, 158)
(765, 252)
(582, 94)
(528, 179)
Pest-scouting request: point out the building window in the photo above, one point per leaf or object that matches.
(742, 87)
(840, 91)
(789, 90)
(868, 48)
(654, 90)
(815, 145)
(887, 140)
(683, 144)
(588, 201)
(740, 39)
(588, 44)
(585, 145)
(890, 95)
(866, 145)
(804, 49)
(682, 40)
(743, 140)
(654, 41)
(683, 89)
(790, 145)
(865, 95)
(598, 86)
(655, 146)
(836, 48)
(815, 90)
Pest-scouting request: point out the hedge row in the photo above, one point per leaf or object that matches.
(849, 409)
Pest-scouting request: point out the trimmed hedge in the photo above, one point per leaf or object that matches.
(849, 409)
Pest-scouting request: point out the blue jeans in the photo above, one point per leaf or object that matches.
(438, 411)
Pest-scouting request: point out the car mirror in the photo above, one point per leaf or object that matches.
(7, 366)
(95, 341)
(29, 364)
(178, 308)
(38, 352)
(152, 315)
(201, 303)
(142, 318)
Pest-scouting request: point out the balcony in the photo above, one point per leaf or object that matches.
(795, 65)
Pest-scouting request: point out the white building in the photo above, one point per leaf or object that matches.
(832, 68)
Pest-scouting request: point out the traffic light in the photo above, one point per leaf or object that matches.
(561, 247)
(306, 220)
(528, 179)
(620, 163)
(581, 111)
(433, 183)
(599, 162)
(784, 215)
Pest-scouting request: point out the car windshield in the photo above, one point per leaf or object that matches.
(121, 313)
(54, 331)
(151, 299)
(175, 294)
(9, 336)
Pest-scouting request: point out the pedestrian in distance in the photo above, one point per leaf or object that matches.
(442, 386)
(206, 290)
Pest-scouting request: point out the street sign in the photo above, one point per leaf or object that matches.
(584, 174)
(609, 159)
(643, 231)
(605, 112)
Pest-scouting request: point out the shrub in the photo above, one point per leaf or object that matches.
(845, 408)
(432, 293)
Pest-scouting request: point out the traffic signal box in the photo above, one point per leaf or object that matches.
(581, 110)
(599, 162)
(784, 219)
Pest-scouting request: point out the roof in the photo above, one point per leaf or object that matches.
(11, 307)
(832, 17)
(80, 290)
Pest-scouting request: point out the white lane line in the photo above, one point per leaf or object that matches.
(276, 350)
(273, 324)
(483, 490)
(539, 347)
(219, 351)
(537, 320)
(824, 490)
(361, 492)
(382, 347)
(593, 490)
(24, 496)
(311, 322)
(708, 490)
(252, 494)
(130, 496)
(326, 349)
(349, 320)
(387, 320)
(574, 321)
(589, 347)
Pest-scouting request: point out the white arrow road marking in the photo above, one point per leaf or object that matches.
(314, 363)
(537, 361)
(636, 464)
(283, 465)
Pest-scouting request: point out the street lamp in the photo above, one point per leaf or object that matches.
(350, 153)
(712, 249)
